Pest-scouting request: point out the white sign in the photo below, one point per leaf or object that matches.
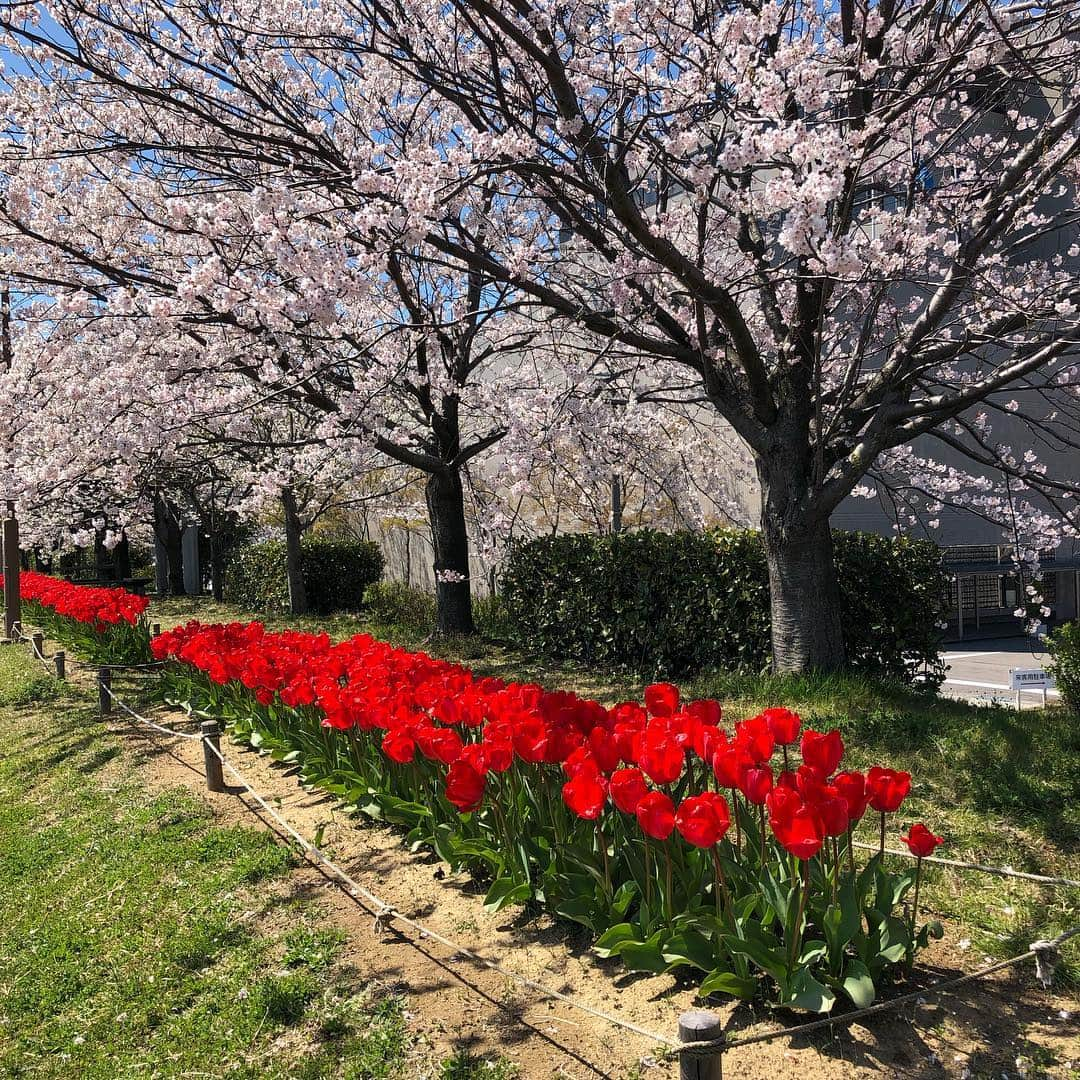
(1030, 679)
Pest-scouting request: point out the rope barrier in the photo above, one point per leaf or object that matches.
(171, 732)
(958, 864)
(1044, 952)
(20, 635)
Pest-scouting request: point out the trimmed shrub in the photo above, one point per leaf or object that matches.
(1064, 646)
(677, 603)
(336, 574)
(393, 603)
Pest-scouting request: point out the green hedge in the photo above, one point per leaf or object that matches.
(677, 603)
(336, 573)
(1064, 646)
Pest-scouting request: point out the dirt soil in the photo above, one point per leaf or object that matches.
(1003, 1026)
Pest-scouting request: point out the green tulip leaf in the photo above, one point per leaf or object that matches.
(806, 993)
(771, 960)
(858, 985)
(504, 892)
(645, 955)
(612, 940)
(689, 948)
(726, 982)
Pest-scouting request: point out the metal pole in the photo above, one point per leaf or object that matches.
(700, 1025)
(960, 606)
(211, 738)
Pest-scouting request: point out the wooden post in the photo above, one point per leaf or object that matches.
(60, 659)
(155, 629)
(12, 602)
(211, 737)
(104, 681)
(700, 1025)
(38, 641)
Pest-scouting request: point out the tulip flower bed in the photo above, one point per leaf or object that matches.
(676, 842)
(104, 625)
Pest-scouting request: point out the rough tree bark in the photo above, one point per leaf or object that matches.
(122, 558)
(807, 631)
(446, 511)
(294, 530)
(217, 562)
(167, 530)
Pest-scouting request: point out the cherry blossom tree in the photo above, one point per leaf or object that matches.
(846, 228)
(253, 278)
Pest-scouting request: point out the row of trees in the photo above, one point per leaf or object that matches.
(838, 239)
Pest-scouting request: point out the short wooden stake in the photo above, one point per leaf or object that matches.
(60, 659)
(104, 684)
(700, 1025)
(211, 737)
(155, 629)
(38, 640)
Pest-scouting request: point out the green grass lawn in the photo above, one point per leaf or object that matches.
(1002, 787)
(140, 938)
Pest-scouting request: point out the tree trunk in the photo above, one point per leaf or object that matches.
(446, 512)
(103, 569)
(217, 563)
(804, 593)
(167, 530)
(616, 503)
(122, 558)
(298, 599)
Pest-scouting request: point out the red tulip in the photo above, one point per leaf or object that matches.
(784, 724)
(498, 755)
(446, 745)
(661, 757)
(796, 826)
(464, 786)
(831, 809)
(756, 738)
(656, 815)
(581, 758)
(887, 789)
(730, 765)
(627, 789)
(585, 794)
(756, 784)
(921, 841)
(702, 820)
(707, 740)
(474, 754)
(822, 751)
(399, 746)
(852, 789)
(809, 783)
(661, 699)
(786, 779)
(605, 749)
(707, 710)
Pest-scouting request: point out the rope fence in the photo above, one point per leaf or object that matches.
(701, 1042)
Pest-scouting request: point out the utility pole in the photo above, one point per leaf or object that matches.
(10, 532)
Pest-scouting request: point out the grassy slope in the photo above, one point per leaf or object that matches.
(1004, 788)
(139, 938)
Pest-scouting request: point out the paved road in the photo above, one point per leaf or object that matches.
(979, 670)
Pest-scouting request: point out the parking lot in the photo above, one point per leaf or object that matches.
(979, 670)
